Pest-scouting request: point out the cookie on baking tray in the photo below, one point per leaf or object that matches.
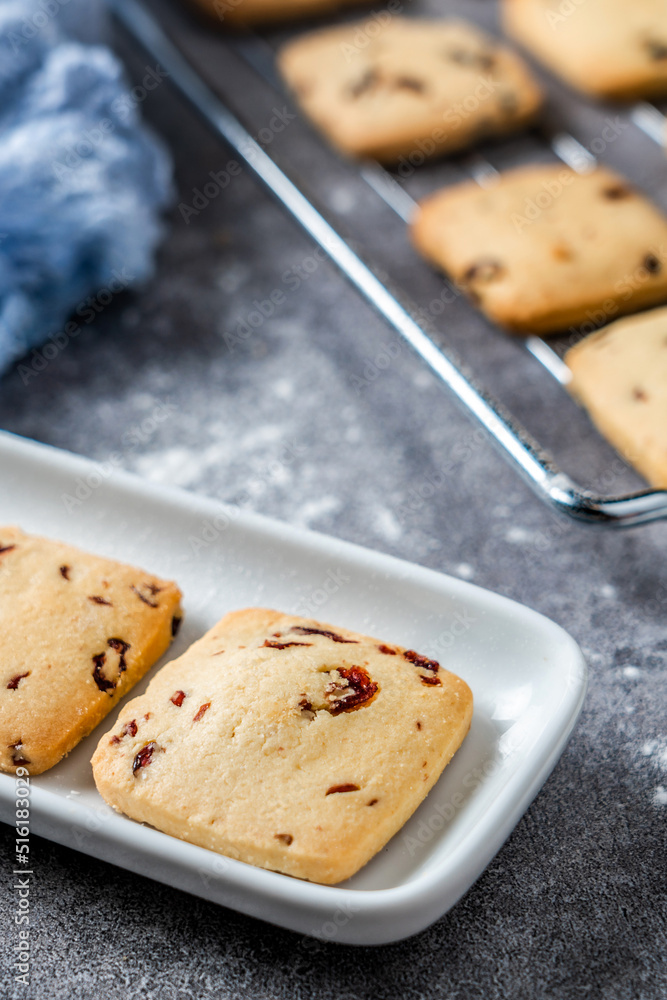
(542, 248)
(620, 375)
(408, 87)
(76, 634)
(285, 743)
(244, 13)
(607, 48)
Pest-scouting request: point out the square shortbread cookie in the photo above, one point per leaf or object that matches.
(285, 743)
(608, 48)
(620, 376)
(543, 248)
(76, 634)
(243, 13)
(407, 89)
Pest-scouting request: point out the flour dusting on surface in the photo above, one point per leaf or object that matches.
(386, 524)
(518, 535)
(315, 509)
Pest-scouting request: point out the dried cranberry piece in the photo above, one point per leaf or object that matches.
(306, 708)
(64, 572)
(175, 624)
(142, 597)
(177, 698)
(100, 600)
(476, 60)
(360, 683)
(369, 80)
(483, 270)
(14, 682)
(426, 679)
(202, 711)
(305, 630)
(372, 802)
(657, 49)
(17, 758)
(387, 650)
(284, 645)
(421, 661)
(121, 647)
(144, 757)
(410, 83)
(129, 729)
(286, 838)
(6, 548)
(335, 789)
(103, 683)
(616, 192)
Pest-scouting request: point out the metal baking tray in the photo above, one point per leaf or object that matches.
(193, 54)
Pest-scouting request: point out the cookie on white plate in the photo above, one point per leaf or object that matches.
(78, 632)
(285, 743)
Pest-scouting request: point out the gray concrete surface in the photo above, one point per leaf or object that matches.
(573, 905)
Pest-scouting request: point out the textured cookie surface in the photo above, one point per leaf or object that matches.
(608, 48)
(240, 13)
(620, 376)
(76, 633)
(408, 87)
(542, 247)
(285, 743)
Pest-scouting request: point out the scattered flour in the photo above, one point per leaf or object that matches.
(315, 509)
(386, 524)
(518, 535)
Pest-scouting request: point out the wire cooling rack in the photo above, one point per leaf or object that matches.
(161, 39)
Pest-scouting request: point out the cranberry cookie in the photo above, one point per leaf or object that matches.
(285, 743)
(607, 48)
(407, 89)
(620, 376)
(543, 248)
(77, 632)
(243, 13)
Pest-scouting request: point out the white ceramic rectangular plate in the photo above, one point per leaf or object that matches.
(527, 675)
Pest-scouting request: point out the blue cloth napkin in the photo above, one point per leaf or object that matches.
(82, 183)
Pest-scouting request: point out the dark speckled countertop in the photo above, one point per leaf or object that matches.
(573, 906)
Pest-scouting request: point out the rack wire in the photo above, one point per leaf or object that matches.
(532, 462)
